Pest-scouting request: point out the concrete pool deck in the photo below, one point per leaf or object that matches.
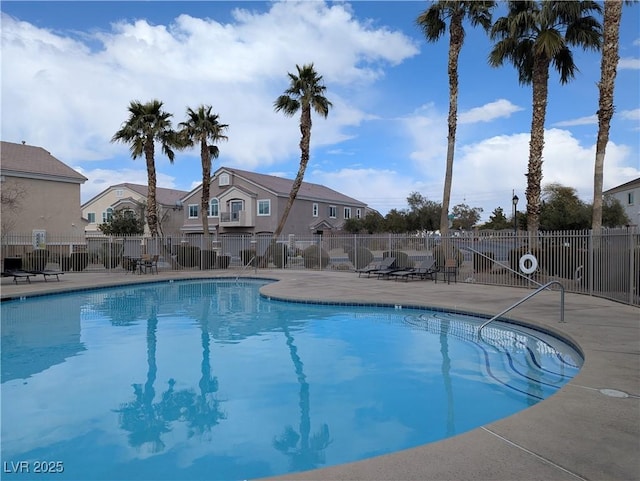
(579, 433)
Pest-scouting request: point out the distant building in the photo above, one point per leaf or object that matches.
(629, 196)
(133, 197)
(243, 202)
(40, 194)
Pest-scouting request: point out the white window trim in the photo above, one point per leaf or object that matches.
(89, 219)
(223, 180)
(189, 211)
(333, 209)
(358, 213)
(209, 208)
(268, 201)
(347, 213)
(315, 209)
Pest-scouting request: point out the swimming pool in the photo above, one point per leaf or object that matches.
(207, 379)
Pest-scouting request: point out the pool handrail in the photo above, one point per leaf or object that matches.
(539, 289)
(245, 266)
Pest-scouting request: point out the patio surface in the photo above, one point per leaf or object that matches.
(579, 433)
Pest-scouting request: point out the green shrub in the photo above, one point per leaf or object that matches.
(37, 260)
(315, 257)
(111, 254)
(79, 261)
(280, 254)
(402, 258)
(208, 259)
(223, 262)
(188, 256)
(481, 263)
(360, 257)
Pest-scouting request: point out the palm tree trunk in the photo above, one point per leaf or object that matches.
(536, 145)
(205, 156)
(152, 207)
(612, 15)
(305, 142)
(455, 45)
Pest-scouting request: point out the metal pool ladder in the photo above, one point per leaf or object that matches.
(539, 289)
(244, 267)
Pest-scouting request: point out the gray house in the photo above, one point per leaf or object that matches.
(629, 196)
(243, 202)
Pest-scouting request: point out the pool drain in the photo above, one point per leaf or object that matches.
(613, 393)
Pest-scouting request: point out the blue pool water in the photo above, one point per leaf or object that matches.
(208, 380)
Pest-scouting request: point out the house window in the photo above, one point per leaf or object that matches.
(630, 198)
(235, 207)
(315, 210)
(193, 211)
(347, 212)
(333, 211)
(358, 213)
(264, 207)
(91, 217)
(119, 193)
(223, 179)
(107, 215)
(213, 208)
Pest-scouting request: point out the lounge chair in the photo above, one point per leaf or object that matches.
(373, 268)
(13, 268)
(18, 275)
(48, 272)
(424, 270)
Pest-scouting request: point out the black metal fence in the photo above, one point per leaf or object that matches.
(605, 264)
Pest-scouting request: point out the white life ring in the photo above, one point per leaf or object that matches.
(532, 260)
(577, 276)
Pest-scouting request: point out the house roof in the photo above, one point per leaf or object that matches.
(164, 196)
(282, 187)
(29, 161)
(623, 187)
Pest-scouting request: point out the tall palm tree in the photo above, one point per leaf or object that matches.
(535, 36)
(203, 126)
(306, 91)
(433, 23)
(608, 70)
(146, 125)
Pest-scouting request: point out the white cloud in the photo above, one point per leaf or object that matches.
(501, 108)
(589, 120)
(629, 63)
(630, 114)
(72, 98)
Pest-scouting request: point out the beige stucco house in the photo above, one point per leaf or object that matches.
(133, 197)
(243, 202)
(40, 194)
(629, 196)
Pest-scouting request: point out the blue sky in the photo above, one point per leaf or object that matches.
(70, 69)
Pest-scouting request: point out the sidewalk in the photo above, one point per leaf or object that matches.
(579, 433)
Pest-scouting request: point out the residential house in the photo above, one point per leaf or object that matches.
(243, 202)
(133, 197)
(40, 194)
(629, 196)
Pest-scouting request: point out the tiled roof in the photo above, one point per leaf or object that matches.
(164, 196)
(623, 187)
(281, 186)
(32, 161)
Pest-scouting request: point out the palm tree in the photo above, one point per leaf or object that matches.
(146, 125)
(202, 126)
(306, 91)
(535, 36)
(608, 70)
(432, 22)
